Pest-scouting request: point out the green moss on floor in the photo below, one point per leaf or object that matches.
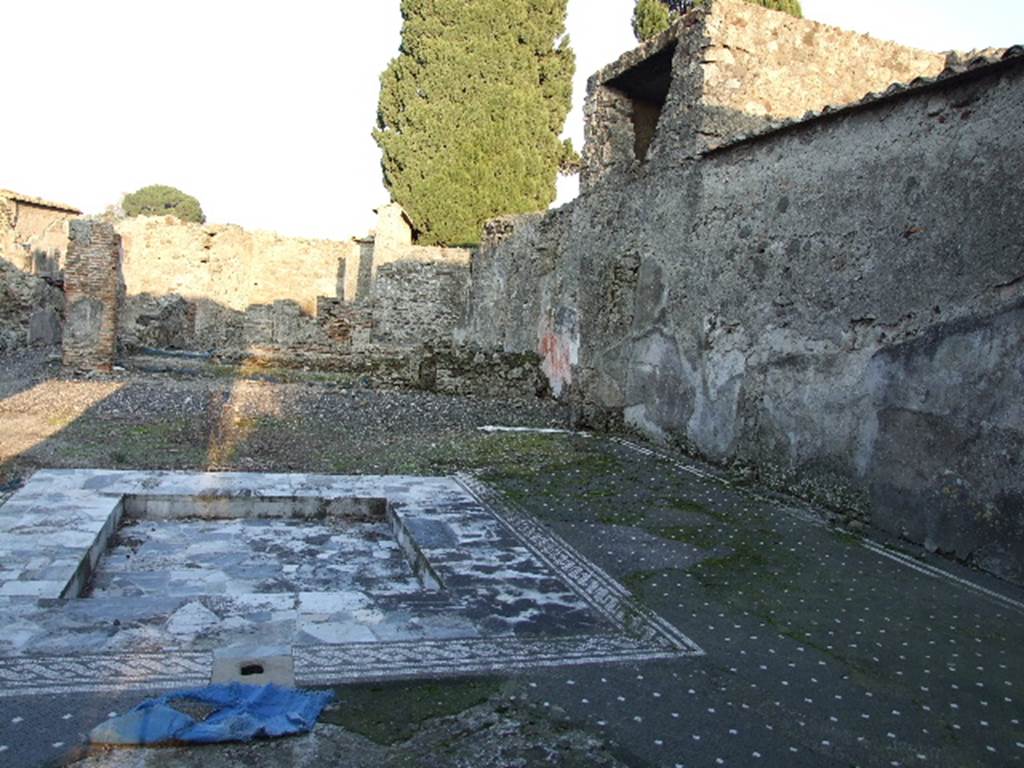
(703, 536)
(276, 374)
(686, 505)
(390, 713)
(747, 561)
(631, 516)
(170, 443)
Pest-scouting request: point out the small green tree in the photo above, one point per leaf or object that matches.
(651, 17)
(160, 200)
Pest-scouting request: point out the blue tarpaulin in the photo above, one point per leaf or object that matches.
(240, 713)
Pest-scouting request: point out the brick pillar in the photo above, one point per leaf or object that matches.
(92, 288)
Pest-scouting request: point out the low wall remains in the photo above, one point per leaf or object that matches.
(837, 304)
(399, 334)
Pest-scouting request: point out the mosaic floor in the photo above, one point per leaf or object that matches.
(138, 579)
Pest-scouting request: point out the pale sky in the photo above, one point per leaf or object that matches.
(263, 110)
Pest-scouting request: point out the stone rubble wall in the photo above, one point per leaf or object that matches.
(225, 290)
(382, 309)
(33, 244)
(837, 306)
(94, 290)
(739, 69)
(31, 310)
(447, 368)
(231, 266)
(34, 234)
(417, 302)
(524, 297)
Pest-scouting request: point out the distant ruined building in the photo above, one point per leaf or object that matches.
(34, 232)
(797, 251)
(33, 244)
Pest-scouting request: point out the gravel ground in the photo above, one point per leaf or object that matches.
(202, 417)
(822, 648)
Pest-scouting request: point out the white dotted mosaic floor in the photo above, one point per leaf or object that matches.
(116, 580)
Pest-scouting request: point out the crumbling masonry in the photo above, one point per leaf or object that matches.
(93, 290)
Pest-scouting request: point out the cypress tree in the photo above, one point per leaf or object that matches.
(653, 16)
(471, 110)
(649, 18)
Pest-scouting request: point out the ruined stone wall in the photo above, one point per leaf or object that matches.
(94, 290)
(34, 233)
(33, 243)
(226, 264)
(418, 302)
(736, 68)
(524, 293)
(838, 305)
(42, 237)
(391, 242)
(30, 309)
(223, 289)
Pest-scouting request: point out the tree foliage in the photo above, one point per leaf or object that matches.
(471, 110)
(651, 17)
(160, 200)
(792, 7)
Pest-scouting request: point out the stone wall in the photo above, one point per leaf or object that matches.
(418, 302)
(226, 264)
(34, 233)
(523, 295)
(725, 69)
(30, 309)
(392, 243)
(225, 290)
(837, 305)
(33, 243)
(93, 290)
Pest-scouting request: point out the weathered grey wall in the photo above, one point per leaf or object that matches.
(839, 304)
(418, 302)
(523, 293)
(736, 68)
(30, 309)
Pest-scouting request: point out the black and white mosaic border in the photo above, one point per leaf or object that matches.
(603, 593)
